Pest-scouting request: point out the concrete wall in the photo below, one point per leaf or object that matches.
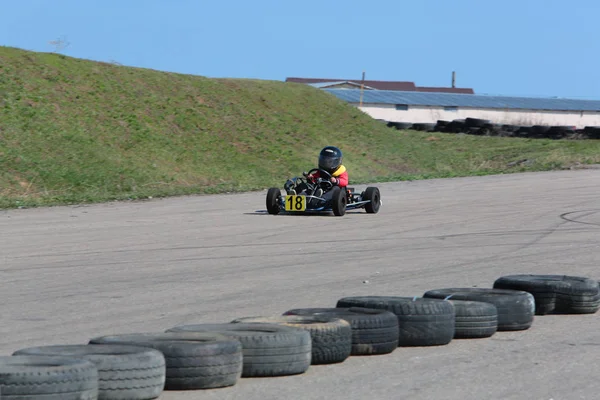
(414, 114)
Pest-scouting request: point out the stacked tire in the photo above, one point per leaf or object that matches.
(373, 331)
(556, 294)
(193, 361)
(331, 337)
(123, 372)
(515, 309)
(421, 322)
(268, 349)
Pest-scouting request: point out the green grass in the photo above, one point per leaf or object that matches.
(74, 131)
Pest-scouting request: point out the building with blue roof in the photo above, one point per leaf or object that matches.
(428, 107)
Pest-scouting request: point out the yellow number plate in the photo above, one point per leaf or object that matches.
(295, 203)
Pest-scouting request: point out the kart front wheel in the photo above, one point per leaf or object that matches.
(374, 197)
(339, 200)
(273, 196)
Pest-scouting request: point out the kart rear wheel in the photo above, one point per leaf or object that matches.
(273, 196)
(339, 200)
(372, 194)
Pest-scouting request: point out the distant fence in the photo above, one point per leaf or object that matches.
(484, 127)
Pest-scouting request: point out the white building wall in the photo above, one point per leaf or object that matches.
(425, 114)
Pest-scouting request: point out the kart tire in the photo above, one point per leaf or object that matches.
(273, 195)
(372, 194)
(124, 372)
(193, 361)
(421, 322)
(558, 294)
(339, 201)
(331, 337)
(515, 308)
(268, 349)
(48, 378)
(373, 331)
(474, 319)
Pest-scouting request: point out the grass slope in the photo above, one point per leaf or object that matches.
(73, 130)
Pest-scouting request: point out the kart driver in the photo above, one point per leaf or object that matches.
(330, 160)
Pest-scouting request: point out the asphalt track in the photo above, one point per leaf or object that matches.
(71, 273)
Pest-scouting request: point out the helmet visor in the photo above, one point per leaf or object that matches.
(329, 163)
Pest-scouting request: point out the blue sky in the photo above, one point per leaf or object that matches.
(508, 47)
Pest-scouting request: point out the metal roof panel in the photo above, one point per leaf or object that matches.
(465, 100)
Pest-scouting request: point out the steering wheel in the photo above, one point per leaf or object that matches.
(324, 178)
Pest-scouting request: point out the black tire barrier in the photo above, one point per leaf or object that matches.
(473, 130)
(539, 129)
(402, 125)
(510, 128)
(124, 372)
(373, 331)
(515, 308)
(193, 361)
(440, 125)
(421, 322)
(48, 378)
(556, 294)
(456, 126)
(560, 132)
(424, 127)
(484, 127)
(593, 132)
(331, 337)
(523, 131)
(476, 122)
(135, 366)
(399, 125)
(268, 349)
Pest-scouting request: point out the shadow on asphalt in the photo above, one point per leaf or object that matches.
(305, 214)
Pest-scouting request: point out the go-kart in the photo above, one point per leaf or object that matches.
(333, 198)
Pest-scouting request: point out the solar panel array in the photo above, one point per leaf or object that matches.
(464, 100)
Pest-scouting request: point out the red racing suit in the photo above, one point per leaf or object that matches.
(341, 174)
